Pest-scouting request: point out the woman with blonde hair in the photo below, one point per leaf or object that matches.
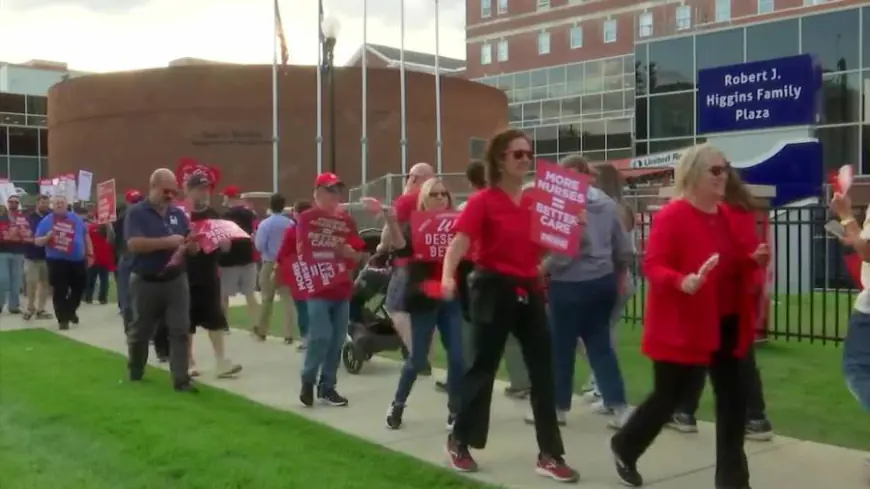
(701, 262)
(428, 313)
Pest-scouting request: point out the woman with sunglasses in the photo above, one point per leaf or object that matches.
(428, 313)
(506, 297)
(701, 262)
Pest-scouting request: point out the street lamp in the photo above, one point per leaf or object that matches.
(329, 28)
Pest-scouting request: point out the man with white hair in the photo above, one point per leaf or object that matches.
(403, 207)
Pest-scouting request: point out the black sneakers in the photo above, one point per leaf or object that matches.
(684, 423)
(306, 394)
(394, 416)
(331, 397)
(627, 472)
(759, 430)
(186, 387)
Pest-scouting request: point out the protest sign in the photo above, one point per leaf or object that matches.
(559, 198)
(65, 187)
(310, 278)
(46, 187)
(320, 235)
(17, 229)
(210, 232)
(85, 182)
(431, 233)
(107, 202)
(63, 232)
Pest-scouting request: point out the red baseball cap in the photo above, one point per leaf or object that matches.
(231, 191)
(132, 196)
(327, 179)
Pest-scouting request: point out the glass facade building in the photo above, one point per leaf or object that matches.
(23, 139)
(583, 107)
(839, 40)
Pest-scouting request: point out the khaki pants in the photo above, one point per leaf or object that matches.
(268, 288)
(36, 284)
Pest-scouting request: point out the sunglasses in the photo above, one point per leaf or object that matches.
(719, 170)
(332, 189)
(435, 195)
(519, 154)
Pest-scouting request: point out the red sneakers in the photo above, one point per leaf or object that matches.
(555, 468)
(460, 457)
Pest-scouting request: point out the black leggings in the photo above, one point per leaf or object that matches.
(68, 280)
(673, 383)
(496, 311)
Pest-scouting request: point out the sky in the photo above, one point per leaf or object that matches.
(117, 35)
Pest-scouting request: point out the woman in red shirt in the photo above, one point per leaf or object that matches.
(104, 263)
(506, 297)
(701, 262)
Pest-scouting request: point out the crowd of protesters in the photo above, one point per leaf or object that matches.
(499, 294)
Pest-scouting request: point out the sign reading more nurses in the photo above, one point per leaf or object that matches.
(761, 94)
(560, 196)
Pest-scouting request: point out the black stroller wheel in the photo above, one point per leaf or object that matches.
(351, 357)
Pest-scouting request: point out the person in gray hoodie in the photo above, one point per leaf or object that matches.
(582, 293)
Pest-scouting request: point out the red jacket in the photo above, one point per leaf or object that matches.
(683, 328)
(103, 254)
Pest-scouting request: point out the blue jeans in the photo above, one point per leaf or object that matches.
(856, 358)
(11, 276)
(447, 318)
(583, 310)
(302, 317)
(122, 282)
(327, 332)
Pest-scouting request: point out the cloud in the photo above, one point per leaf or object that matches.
(98, 35)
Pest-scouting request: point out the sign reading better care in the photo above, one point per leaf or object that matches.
(762, 94)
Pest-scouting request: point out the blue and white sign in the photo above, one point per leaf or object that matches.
(762, 94)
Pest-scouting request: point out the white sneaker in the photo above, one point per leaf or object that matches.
(303, 344)
(592, 396)
(227, 368)
(560, 417)
(620, 417)
(598, 407)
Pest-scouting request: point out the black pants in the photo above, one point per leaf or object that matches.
(101, 274)
(673, 383)
(496, 311)
(753, 391)
(67, 280)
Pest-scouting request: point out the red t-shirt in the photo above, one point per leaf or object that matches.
(404, 206)
(103, 254)
(501, 230)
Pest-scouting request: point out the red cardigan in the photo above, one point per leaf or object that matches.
(682, 328)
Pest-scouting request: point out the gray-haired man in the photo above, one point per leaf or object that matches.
(156, 231)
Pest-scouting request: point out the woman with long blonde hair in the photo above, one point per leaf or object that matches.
(428, 313)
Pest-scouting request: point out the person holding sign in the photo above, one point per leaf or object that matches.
(68, 254)
(430, 232)
(14, 236)
(582, 292)
(506, 297)
(702, 263)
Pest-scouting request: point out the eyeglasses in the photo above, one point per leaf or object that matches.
(519, 154)
(332, 189)
(435, 195)
(719, 170)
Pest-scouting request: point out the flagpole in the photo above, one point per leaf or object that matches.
(275, 135)
(437, 92)
(319, 87)
(363, 140)
(404, 137)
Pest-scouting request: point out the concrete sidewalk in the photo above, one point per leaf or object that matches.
(675, 461)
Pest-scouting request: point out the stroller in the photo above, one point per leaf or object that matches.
(370, 330)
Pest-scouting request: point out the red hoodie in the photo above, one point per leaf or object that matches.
(103, 254)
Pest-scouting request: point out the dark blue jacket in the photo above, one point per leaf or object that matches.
(31, 251)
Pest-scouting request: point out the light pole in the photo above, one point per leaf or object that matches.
(330, 28)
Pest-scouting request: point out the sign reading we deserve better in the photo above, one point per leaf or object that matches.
(762, 94)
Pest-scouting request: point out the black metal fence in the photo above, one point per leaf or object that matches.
(811, 292)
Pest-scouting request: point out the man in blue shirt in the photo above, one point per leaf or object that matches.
(35, 268)
(68, 254)
(157, 235)
(268, 240)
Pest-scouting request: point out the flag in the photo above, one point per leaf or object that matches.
(282, 39)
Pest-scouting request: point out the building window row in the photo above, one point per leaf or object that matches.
(486, 8)
(23, 110)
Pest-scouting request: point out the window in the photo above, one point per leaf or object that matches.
(569, 138)
(672, 116)
(671, 65)
(4, 167)
(610, 31)
(612, 102)
(485, 53)
(772, 40)
(12, 103)
(485, 8)
(641, 68)
(543, 4)
(23, 141)
(809, 3)
(576, 37)
(502, 50)
(36, 105)
(23, 169)
(502, 7)
(4, 146)
(476, 148)
(684, 17)
(839, 146)
(43, 142)
(544, 42)
(723, 10)
(841, 98)
(641, 112)
(546, 140)
(721, 48)
(594, 139)
(619, 133)
(866, 21)
(765, 6)
(645, 24)
(515, 114)
(833, 39)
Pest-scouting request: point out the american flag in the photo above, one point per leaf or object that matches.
(282, 40)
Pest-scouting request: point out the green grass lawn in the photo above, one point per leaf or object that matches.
(68, 421)
(803, 383)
